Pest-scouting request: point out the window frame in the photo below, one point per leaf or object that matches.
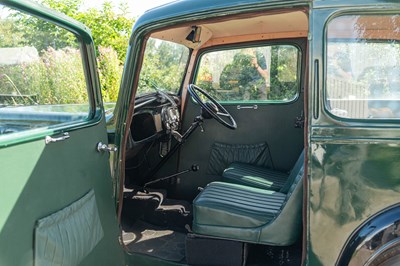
(89, 68)
(289, 42)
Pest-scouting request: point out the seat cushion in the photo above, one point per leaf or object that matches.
(249, 214)
(233, 205)
(255, 176)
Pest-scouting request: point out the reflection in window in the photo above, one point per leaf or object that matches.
(42, 79)
(250, 74)
(163, 67)
(363, 67)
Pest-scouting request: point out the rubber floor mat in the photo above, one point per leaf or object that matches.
(155, 241)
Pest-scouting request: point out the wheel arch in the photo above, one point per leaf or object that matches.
(378, 233)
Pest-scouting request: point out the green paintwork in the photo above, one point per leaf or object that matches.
(352, 165)
(39, 179)
(353, 168)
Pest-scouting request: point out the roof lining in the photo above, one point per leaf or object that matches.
(292, 24)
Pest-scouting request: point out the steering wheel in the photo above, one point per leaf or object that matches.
(213, 108)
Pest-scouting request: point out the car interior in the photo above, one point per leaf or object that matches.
(214, 154)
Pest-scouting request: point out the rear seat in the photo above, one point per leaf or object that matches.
(260, 177)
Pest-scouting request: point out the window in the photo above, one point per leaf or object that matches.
(363, 67)
(266, 74)
(42, 79)
(163, 67)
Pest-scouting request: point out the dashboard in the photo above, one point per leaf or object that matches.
(155, 116)
(155, 122)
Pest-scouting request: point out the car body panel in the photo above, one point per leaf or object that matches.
(41, 178)
(353, 170)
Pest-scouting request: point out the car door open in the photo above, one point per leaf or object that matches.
(57, 198)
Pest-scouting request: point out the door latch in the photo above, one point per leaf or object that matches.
(101, 147)
(49, 139)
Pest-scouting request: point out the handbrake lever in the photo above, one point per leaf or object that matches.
(193, 168)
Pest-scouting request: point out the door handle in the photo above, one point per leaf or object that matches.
(49, 139)
(255, 107)
(101, 147)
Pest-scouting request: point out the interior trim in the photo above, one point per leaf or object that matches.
(255, 37)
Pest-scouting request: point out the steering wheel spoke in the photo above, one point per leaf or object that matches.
(216, 110)
(223, 114)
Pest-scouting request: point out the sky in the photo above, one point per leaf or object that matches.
(136, 7)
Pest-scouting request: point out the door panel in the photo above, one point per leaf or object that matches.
(52, 92)
(267, 80)
(40, 179)
(273, 124)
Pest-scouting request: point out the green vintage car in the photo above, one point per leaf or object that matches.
(258, 132)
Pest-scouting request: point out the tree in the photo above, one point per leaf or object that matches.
(42, 34)
(109, 28)
(163, 66)
(110, 31)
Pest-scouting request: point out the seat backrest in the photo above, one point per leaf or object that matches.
(293, 173)
(289, 219)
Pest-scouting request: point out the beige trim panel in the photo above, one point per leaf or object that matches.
(255, 37)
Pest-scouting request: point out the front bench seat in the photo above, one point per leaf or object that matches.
(249, 214)
(261, 177)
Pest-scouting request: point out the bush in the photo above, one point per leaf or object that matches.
(56, 78)
(110, 72)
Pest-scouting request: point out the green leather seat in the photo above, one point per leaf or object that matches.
(261, 177)
(249, 214)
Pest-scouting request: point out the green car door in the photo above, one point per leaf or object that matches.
(57, 200)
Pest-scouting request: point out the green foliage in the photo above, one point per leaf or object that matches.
(240, 80)
(110, 31)
(284, 71)
(109, 28)
(56, 78)
(9, 36)
(240, 74)
(163, 66)
(110, 72)
(42, 34)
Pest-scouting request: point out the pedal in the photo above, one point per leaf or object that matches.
(187, 227)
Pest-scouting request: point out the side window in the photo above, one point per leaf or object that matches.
(266, 74)
(363, 67)
(42, 78)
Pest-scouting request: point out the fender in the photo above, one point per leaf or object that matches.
(373, 237)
